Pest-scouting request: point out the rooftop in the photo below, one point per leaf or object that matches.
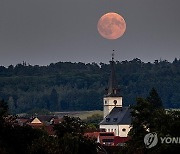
(118, 115)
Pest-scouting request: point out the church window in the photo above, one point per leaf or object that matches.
(115, 119)
(115, 102)
(107, 119)
(123, 129)
(115, 131)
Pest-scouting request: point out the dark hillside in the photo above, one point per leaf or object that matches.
(78, 86)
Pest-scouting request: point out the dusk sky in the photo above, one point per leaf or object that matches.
(47, 31)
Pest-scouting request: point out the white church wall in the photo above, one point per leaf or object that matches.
(119, 130)
(124, 130)
(109, 104)
(111, 128)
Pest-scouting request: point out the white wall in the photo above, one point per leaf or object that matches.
(117, 129)
(124, 133)
(111, 128)
(109, 104)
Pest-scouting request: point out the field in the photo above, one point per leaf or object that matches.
(81, 114)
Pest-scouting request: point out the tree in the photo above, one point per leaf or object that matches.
(146, 117)
(141, 114)
(77, 144)
(3, 108)
(13, 138)
(94, 120)
(70, 134)
(11, 105)
(154, 99)
(80, 85)
(53, 100)
(45, 145)
(17, 139)
(70, 125)
(3, 112)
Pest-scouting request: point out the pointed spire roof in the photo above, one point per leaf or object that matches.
(112, 89)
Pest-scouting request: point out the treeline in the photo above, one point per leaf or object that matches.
(78, 86)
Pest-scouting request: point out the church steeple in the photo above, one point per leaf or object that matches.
(112, 90)
(112, 97)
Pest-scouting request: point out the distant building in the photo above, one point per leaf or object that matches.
(45, 122)
(117, 118)
(104, 138)
(36, 123)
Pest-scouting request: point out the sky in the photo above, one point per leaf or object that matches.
(47, 31)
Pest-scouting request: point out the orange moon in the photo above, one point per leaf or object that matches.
(111, 26)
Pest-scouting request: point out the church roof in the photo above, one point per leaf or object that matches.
(112, 90)
(118, 116)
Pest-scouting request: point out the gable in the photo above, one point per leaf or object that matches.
(36, 121)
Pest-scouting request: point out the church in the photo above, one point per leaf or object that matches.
(117, 118)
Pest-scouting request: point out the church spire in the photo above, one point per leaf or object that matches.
(113, 90)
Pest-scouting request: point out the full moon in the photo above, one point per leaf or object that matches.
(111, 26)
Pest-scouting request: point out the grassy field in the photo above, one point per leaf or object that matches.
(81, 114)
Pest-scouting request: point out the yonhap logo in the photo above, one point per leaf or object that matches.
(151, 140)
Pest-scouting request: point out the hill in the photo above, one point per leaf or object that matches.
(66, 86)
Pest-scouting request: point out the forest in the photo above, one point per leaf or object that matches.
(67, 86)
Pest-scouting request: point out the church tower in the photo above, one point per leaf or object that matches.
(112, 97)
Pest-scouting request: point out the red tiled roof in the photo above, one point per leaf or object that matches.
(23, 120)
(118, 139)
(92, 134)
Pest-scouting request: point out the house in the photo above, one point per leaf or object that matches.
(22, 121)
(117, 118)
(36, 123)
(45, 122)
(104, 138)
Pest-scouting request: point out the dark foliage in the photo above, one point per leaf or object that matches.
(79, 86)
(15, 139)
(71, 139)
(154, 99)
(45, 145)
(93, 121)
(149, 116)
(70, 125)
(3, 108)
